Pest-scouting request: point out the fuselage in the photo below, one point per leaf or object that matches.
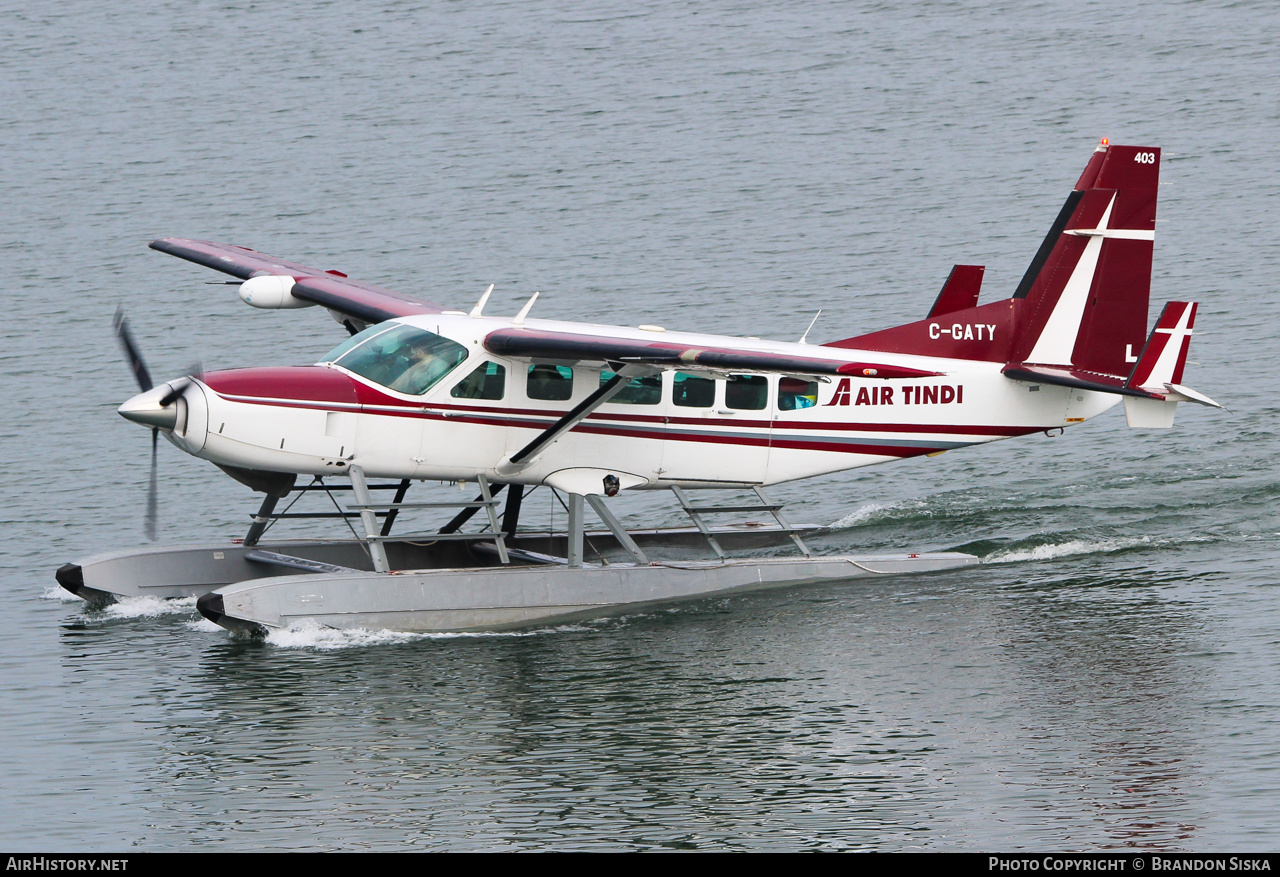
(366, 405)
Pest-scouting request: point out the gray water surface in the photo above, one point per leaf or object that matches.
(1106, 679)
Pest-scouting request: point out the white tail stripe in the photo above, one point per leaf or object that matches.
(1123, 234)
(1058, 338)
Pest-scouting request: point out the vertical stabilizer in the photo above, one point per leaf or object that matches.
(1086, 303)
(1083, 300)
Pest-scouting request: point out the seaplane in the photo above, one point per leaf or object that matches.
(421, 392)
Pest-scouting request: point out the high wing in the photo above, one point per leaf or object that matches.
(330, 289)
(576, 347)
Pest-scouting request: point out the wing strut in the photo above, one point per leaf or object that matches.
(526, 455)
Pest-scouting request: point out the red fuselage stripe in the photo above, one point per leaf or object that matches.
(488, 416)
(596, 426)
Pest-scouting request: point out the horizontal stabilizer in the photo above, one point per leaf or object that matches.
(1190, 395)
(1159, 368)
(1151, 391)
(1065, 376)
(960, 292)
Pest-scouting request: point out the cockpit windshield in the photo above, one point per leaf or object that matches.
(404, 358)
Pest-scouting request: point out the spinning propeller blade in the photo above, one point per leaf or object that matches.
(152, 516)
(131, 352)
(147, 414)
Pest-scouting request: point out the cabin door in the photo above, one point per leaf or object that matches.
(717, 429)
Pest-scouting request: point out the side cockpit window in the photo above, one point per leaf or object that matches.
(403, 358)
(488, 381)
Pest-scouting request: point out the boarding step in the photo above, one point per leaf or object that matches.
(435, 536)
(368, 510)
(695, 513)
(388, 506)
(267, 516)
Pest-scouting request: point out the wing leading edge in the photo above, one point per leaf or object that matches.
(330, 289)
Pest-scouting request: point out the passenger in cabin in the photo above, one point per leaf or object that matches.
(747, 392)
(553, 383)
(692, 391)
(794, 393)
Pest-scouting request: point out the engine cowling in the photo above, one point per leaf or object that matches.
(272, 291)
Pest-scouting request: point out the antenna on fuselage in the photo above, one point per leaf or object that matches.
(811, 322)
(477, 311)
(524, 311)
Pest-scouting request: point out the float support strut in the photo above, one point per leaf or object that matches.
(511, 514)
(261, 519)
(390, 519)
(489, 503)
(377, 550)
(574, 550)
(623, 537)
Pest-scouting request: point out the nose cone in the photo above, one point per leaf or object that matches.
(145, 409)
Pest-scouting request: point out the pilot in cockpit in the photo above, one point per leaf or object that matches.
(403, 357)
(423, 365)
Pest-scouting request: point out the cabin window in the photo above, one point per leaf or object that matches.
(553, 383)
(638, 391)
(692, 391)
(747, 392)
(404, 358)
(794, 393)
(488, 381)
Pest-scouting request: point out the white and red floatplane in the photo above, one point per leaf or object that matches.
(422, 392)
